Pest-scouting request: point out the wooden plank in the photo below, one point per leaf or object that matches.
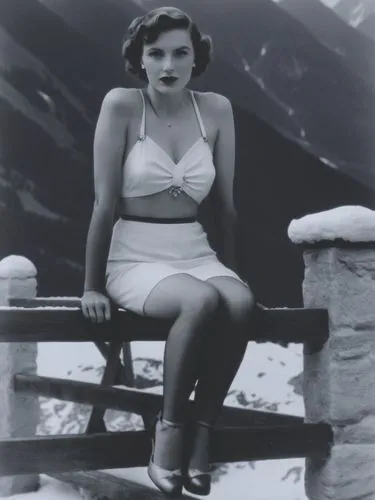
(96, 421)
(69, 325)
(271, 442)
(121, 374)
(111, 487)
(45, 302)
(124, 371)
(129, 377)
(134, 400)
(69, 453)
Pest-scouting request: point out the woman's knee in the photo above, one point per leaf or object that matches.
(240, 305)
(204, 299)
(242, 308)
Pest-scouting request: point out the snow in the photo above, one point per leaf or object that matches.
(31, 204)
(40, 308)
(25, 193)
(48, 122)
(50, 490)
(17, 266)
(358, 15)
(328, 162)
(263, 382)
(246, 65)
(331, 3)
(353, 223)
(27, 61)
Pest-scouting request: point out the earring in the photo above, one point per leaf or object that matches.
(142, 66)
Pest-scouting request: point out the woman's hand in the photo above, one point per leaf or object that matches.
(96, 306)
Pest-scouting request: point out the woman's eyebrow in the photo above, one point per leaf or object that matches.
(182, 47)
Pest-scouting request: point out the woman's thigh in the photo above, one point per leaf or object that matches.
(180, 292)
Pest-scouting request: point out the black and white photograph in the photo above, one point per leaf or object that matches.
(187, 249)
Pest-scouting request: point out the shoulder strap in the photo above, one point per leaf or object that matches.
(142, 130)
(203, 130)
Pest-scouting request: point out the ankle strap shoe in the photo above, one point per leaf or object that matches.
(197, 481)
(170, 482)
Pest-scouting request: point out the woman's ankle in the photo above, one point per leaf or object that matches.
(199, 452)
(171, 423)
(168, 444)
(208, 424)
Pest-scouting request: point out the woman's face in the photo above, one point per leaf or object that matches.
(169, 60)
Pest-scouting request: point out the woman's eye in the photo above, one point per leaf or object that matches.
(155, 54)
(181, 53)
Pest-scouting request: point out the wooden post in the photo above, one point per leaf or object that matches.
(19, 414)
(339, 379)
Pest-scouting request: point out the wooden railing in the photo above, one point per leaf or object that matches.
(241, 434)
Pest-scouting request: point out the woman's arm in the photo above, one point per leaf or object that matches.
(224, 159)
(109, 144)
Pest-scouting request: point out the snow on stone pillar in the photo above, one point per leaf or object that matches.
(339, 380)
(19, 414)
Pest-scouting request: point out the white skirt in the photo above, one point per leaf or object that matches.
(144, 253)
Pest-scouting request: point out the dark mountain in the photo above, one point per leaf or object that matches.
(294, 101)
(276, 182)
(355, 50)
(367, 26)
(102, 22)
(87, 70)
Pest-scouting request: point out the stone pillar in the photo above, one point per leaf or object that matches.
(339, 380)
(19, 414)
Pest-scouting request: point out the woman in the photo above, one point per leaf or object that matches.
(157, 153)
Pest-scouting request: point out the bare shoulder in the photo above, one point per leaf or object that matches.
(121, 101)
(216, 104)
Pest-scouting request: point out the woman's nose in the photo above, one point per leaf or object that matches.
(168, 64)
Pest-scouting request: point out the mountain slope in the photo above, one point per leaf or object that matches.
(356, 51)
(367, 26)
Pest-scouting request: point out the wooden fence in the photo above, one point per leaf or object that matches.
(241, 434)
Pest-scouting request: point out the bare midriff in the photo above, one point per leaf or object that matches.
(159, 205)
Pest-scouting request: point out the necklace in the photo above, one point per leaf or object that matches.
(165, 120)
(174, 190)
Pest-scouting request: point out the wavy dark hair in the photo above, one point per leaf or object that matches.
(147, 28)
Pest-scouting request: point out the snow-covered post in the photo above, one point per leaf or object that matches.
(339, 380)
(19, 414)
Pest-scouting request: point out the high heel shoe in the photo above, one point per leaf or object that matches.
(197, 481)
(168, 481)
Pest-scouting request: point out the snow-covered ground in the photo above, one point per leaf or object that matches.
(262, 382)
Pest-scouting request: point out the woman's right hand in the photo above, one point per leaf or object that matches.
(96, 306)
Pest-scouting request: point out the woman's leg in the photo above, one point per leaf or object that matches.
(193, 304)
(226, 348)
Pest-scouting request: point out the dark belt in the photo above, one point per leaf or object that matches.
(159, 220)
